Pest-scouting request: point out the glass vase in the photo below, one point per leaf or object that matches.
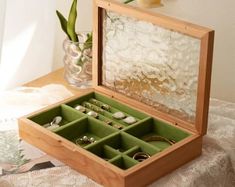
(78, 61)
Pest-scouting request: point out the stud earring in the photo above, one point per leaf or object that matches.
(93, 114)
(129, 120)
(118, 115)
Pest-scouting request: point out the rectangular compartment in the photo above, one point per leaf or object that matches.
(124, 162)
(156, 128)
(115, 106)
(118, 106)
(108, 114)
(67, 113)
(103, 151)
(88, 127)
(105, 117)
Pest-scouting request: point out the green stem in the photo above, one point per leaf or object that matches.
(128, 1)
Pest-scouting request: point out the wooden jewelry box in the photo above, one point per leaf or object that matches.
(148, 112)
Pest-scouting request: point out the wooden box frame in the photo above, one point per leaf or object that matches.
(158, 165)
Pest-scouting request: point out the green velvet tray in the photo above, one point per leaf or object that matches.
(114, 145)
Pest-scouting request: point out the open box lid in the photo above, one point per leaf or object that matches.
(156, 63)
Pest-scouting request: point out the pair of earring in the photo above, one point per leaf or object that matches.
(85, 140)
(83, 110)
(120, 115)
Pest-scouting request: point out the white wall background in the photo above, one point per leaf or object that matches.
(218, 15)
(2, 19)
(28, 41)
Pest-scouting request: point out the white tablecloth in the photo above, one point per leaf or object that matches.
(215, 167)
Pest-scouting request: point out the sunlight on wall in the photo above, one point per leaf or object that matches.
(2, 16)
(13, 53)
(28, 41)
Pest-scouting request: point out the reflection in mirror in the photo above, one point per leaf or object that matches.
(151, 64)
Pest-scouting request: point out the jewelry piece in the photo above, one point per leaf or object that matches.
(105, 107)
(86, 104)
(85, 140)
(100, 104)
(97, 109)
(94, 101)
(118, 126)
(108, 122)
(80, 108)
(92, 139)
(141, 156)
(93, 114)
(54, 123)
(158, 138)
(118, 115)
(129, 120)
(56, 120)
(52, 127)
(94, 108)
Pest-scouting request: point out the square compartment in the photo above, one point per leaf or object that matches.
(89, 127)
(115, 106)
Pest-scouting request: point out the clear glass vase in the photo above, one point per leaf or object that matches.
(78, 62)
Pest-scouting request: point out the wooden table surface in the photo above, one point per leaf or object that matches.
(55, 77)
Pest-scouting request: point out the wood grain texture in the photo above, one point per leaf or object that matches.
(77, 158)
(91, 165)
(204, 82)
(95, 48)
(165, 163)
(159, 19)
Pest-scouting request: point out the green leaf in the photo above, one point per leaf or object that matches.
(72, 21)
(88, 42)
(127, 1)
(63, 22)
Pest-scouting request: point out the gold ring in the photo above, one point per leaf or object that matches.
(141, 156)
(159, 138)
